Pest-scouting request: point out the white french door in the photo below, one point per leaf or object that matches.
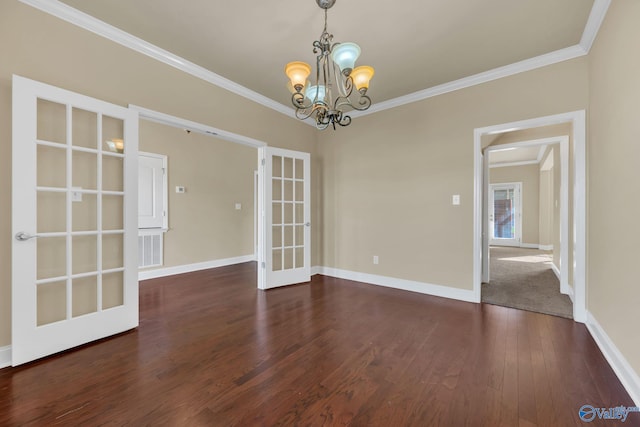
(287, 258)
(74, 207)
(505, 214)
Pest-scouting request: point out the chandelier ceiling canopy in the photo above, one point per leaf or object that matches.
(331, 95)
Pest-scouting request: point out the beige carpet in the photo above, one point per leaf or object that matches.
(523, 279)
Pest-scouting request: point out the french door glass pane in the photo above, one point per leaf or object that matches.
(112, 290)
(51, 212)
(85, 213)
(52, 302)
(51, 166)
(85, 128)
(52, 121)
(85, 296)
(504, 214)
(51, 257)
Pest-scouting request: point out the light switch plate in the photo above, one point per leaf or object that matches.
(455, 199)
(76, 195)
(180, 189)
(238, 206)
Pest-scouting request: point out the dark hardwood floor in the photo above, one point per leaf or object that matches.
(212, 350)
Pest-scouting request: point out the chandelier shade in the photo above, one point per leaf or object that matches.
(345, 56)
(298, 72)
(330, 96)
(361, 76)
(315, 93)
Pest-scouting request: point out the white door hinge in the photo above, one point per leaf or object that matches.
(264, 162)
(264, 265)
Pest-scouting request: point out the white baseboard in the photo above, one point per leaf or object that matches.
(5, 356)
(402, 284)
(627, 376)
(316, 269)
(566, 289)
(180, 269)
(530, 245)
(545, 247)
(555, 270)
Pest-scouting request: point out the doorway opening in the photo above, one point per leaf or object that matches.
(570, 243)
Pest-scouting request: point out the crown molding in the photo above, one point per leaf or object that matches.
(484, 77)
(596, 17)
(96, 26)
(101, 28)
(510, 164)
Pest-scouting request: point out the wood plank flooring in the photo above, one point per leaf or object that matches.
(212, 350)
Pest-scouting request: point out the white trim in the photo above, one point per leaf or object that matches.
(402, 284)
(316, 269)
(623, 370)
(188, 268)
(101, 28)
(596, 17)
(550, 58)
(509, 164)
(555, 270)
(543, 148)
(5, 356)
(546, 248)
(166, 119)
(530, 245)
(578, 121)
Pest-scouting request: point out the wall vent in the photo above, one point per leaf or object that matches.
(150, 249)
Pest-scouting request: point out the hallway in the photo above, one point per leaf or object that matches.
(523, 279)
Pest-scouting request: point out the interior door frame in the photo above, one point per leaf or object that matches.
(578, 135)
(517, 186)
(180, 123)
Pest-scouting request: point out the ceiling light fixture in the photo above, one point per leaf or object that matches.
(331, 95)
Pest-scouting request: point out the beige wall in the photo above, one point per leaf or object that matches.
(614, 173)
(529, 176)
(203, 222)
(546, 209)
(549, 188)
(388, 179)
(44, 48)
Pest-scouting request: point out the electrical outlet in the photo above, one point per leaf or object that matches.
(376, 259)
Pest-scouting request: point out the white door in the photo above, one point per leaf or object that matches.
(505, 214)
(152, 191)
(74, 207)
(288, 217)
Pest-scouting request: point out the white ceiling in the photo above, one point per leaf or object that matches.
(412, 44)
(520, 155)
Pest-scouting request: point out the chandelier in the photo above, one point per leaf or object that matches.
(333, 92)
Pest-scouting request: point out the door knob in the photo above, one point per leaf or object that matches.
(22, 236)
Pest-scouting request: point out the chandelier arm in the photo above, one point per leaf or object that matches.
(363, 103)
(340, 102)
(345, 120)
(297, 99)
